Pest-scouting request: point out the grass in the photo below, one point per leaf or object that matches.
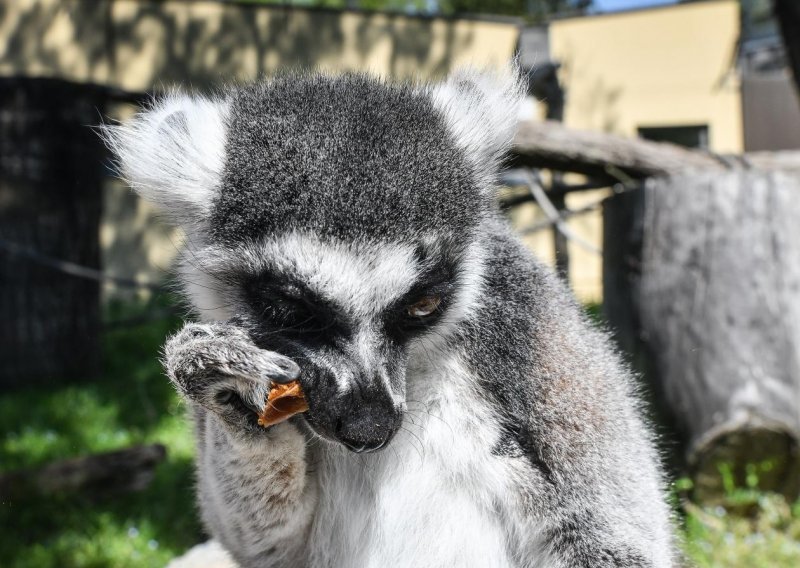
(134, 404)
(769, 535)
(131, 404)
(746, 527)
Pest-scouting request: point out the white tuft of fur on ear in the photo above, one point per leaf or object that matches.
(481, 109)
(173, 153)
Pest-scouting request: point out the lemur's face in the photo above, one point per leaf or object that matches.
(350, 314)
(337, 219)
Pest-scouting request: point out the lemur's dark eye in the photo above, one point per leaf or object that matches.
(286, 307)
(425, 306)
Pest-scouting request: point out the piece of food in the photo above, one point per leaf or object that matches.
(283, 402)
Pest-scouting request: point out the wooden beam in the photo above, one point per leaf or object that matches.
(611, 158)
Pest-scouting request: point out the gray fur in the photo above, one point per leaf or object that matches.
(501, 430)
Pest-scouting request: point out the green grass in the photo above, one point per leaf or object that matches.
(763, 531)
(134, 404)
(772, 538)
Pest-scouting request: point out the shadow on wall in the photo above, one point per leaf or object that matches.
(602, 109)
(593, 99)
(60, 39)
(135, 243)
(137, 46)
(141, 46)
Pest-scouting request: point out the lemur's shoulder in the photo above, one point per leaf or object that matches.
(559, 385)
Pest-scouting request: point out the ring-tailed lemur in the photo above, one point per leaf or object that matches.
(343, 229)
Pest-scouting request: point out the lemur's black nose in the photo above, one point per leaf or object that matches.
(363, 448)
(368, 427)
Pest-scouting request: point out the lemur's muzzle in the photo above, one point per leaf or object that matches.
(367, 427)
(364, 419)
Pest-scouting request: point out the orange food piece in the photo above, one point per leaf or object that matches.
(283, 402)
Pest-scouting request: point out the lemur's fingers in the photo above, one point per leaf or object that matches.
(218, 367)
(273, 366)
(226, 350)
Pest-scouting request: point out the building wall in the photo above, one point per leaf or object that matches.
(658, 67)
(669, 66)
(139, 45)
(771, 111)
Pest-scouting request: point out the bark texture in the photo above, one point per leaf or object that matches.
(611, 157)
(711, 307)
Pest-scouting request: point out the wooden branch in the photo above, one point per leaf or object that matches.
(554, 146)
(126, 470)
(787, 160)
(564, 214)
(553, 215)
(514, 199)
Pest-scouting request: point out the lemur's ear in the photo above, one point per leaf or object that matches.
(173, 153)
(481, 109)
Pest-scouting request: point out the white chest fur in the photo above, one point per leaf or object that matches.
(432, 498)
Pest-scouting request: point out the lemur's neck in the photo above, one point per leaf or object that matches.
(444, 448)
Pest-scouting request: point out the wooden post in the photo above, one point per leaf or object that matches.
(560, 240)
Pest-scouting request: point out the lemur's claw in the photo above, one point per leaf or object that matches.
(286, 371)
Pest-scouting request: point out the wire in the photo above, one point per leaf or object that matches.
(73, 269)
(553, 215)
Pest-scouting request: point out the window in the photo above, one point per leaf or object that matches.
(690, 136)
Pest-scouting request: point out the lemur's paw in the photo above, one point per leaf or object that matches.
(218, 367)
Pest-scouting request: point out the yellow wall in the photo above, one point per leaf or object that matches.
(139, 44)
(668, 66)
(142, 45)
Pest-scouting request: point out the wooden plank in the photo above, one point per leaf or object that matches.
(606, 156)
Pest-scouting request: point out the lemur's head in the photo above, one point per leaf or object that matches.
(336, 218)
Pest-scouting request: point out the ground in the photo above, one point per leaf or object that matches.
(132, 403)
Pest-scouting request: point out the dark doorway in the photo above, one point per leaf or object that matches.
(689, 136)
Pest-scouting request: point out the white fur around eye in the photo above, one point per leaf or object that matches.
(363, 280)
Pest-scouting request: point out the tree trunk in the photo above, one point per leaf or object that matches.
(702, 280)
